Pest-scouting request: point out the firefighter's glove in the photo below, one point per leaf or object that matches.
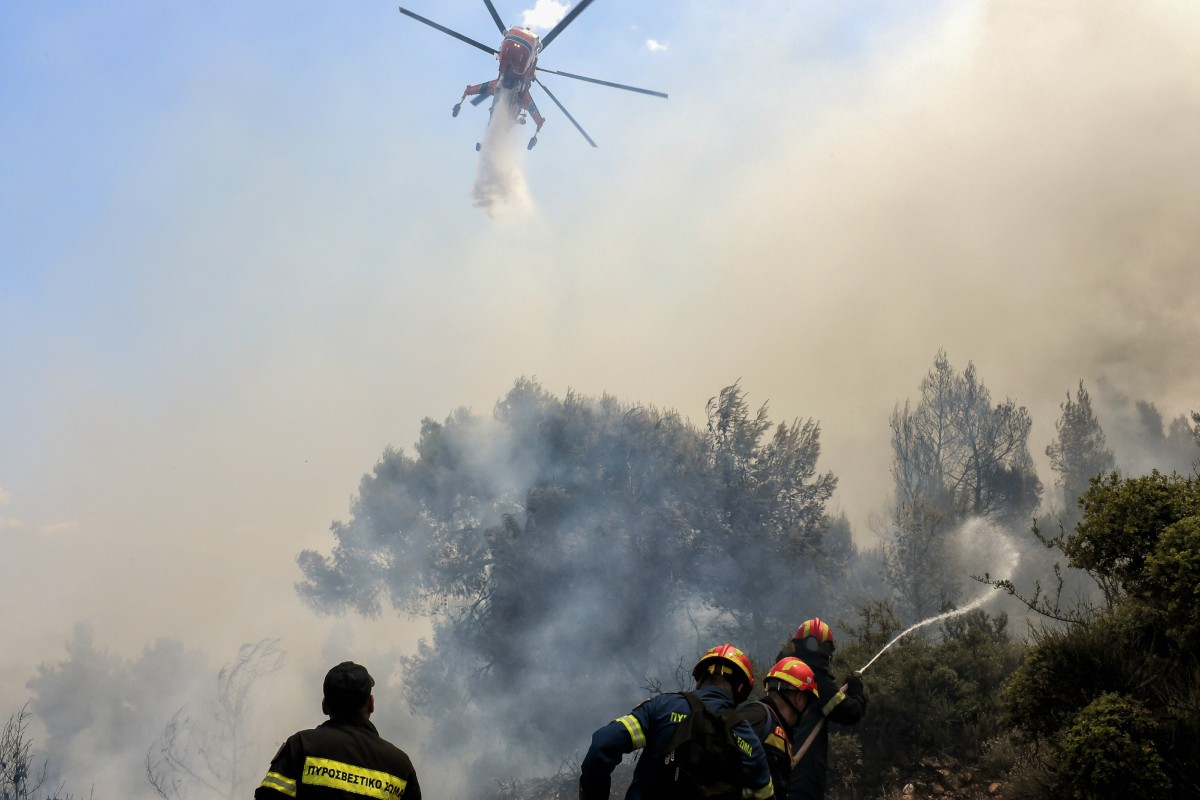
(854, 685)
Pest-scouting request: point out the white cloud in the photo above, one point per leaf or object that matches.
(60, 527)
(544, 15)
(655, 46)
(5, 496)
(11, 524)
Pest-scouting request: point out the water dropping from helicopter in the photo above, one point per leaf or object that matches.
(513, 102)
(500, 188)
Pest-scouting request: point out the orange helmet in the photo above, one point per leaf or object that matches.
(795, 673)
(815, 628)
(726, 661)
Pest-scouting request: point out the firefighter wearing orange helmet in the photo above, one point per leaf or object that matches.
(663, 727)
(791, 689)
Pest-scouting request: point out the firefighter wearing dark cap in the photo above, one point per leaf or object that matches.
(844, 705)
(724, 677)
(345, 756)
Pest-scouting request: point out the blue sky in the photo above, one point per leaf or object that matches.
(238, 255)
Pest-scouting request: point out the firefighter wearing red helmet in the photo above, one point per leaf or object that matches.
(813, 644)
(724, 678)
(791, 689)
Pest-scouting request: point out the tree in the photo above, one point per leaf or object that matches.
(1079, 453)
(771, 528)
(213, 754)
(1124, 522)
(954, 455)
(99, 711)
(1133, 659)
(21, 778)
(578, 542)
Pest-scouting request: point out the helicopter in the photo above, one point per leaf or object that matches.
(518, 56)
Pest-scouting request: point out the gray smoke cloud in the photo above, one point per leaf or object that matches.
(1142, 438)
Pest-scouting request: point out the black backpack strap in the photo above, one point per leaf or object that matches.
(683, 729)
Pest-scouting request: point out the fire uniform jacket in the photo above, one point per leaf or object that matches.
(808, 778)
(776, 739)
(341, 758)
(650, 726)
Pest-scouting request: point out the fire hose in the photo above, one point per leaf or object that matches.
(841, 693)
(826, 710)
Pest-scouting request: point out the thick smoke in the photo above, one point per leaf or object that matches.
(1141, 438)
(573, 553)
(1015, 182)
(500, 187)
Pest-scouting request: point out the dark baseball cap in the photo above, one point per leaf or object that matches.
(348, 685)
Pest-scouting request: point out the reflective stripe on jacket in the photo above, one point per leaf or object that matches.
(340, 758)
(649, 727)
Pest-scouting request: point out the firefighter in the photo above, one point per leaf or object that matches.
(344, 756)
(813, 644)
(724, 678)
(791, 688)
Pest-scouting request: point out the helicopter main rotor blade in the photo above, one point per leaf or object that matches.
(603, 83)
(563, 109)
(567, 20)
(495, 17)
(447, 31)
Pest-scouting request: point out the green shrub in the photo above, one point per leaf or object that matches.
(929, 696)
(1109, 752)
(1172, 582)
(1065, 670)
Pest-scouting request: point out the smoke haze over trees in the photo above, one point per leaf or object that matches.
(580, 542)
(216, 752)
(230, 275)
(954, 456)
(1078, 454)
(592, 542)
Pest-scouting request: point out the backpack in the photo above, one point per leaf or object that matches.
(703, 760)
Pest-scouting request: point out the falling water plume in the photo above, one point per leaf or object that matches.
(500, 188)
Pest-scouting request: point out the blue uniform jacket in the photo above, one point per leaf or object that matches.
(650, 726)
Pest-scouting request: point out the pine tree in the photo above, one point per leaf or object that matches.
(1079, 454)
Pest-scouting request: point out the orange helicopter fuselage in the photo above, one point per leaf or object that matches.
(518, 58)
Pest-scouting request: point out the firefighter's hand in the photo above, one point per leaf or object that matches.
(854, 684)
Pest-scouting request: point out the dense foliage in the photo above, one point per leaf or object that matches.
(1109, 751)
(929, 696)
(1123, 682)
(580, 542)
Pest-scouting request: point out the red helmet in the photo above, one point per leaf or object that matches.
(793, 672)
(815, 628)
(726, 661)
